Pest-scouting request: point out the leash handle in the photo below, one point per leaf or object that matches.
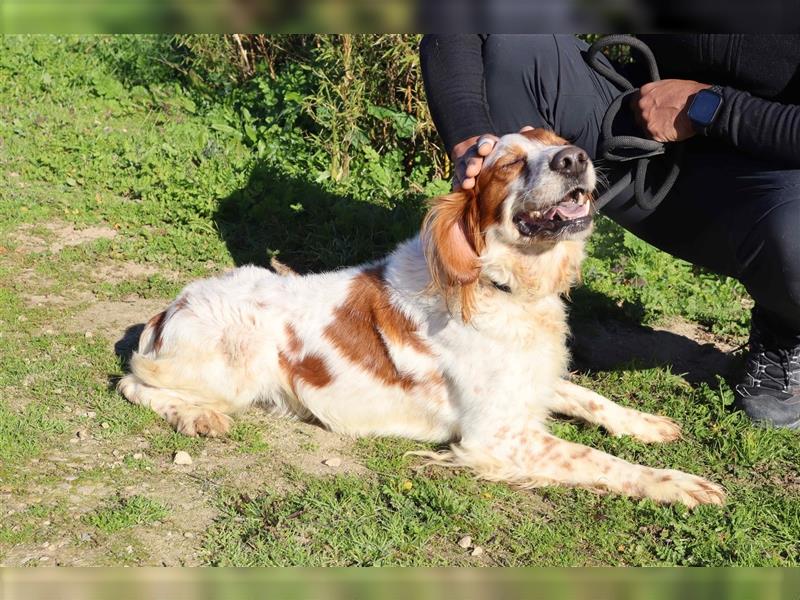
(623, 148)
(607, 41)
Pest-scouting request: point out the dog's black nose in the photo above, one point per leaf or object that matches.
(569, 161)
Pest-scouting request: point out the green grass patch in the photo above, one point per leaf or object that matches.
(167, 443)
(249, 438)
(124, 513)
(649, 285)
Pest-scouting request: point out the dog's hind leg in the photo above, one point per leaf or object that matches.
(576, 401)
(177, 408)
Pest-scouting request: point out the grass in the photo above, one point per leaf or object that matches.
(183, 181)
(126, 513)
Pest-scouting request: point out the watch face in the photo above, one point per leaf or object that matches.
(704, 107)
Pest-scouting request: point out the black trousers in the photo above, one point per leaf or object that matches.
(732, 213)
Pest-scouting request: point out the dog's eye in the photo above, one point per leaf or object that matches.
(511, 163)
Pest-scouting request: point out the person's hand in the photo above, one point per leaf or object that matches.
(661, 108)
(468, 155)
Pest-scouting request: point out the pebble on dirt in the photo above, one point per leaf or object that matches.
(465, 542)
(332, 462)
(182, 458)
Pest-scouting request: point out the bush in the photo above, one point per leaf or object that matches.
(359, 99)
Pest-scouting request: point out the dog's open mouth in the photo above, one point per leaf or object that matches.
(571, 214)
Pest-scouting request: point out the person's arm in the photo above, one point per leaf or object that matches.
(759, 127)
(763, 128)
(452, 70)
(765, 65)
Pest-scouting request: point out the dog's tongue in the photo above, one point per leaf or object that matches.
(567, 211)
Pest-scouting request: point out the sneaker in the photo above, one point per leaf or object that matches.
(770, 390)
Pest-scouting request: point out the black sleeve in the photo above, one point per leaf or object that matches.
(452, 70)
(763, 128)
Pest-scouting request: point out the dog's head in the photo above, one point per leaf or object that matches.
(533, 192)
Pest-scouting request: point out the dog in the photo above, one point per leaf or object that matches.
(458, 336)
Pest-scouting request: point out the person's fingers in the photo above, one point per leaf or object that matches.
(473, 166)
(526, 128)
(486, 144)
(460, 170)
(468, 183)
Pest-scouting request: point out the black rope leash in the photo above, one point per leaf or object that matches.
(627, 148)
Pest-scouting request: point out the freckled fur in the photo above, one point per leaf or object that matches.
(420, 345)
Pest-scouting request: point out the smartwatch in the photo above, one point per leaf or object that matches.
(705, 108)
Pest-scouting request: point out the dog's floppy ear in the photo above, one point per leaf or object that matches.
(453, 243)
(451, 233)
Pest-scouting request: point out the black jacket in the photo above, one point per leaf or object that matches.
(760, 75)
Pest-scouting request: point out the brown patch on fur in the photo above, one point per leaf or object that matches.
(157, 325)
(364, 323)
(158, 322)
(492, 185)
(582, 453)
(545, 136)
(453, 242)
(593, 406)
(311, 369)
(294, 345)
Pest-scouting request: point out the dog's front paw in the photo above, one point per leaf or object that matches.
(647, 428)
(669, 486)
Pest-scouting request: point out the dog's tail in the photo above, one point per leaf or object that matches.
(153, 364)
(282, 269)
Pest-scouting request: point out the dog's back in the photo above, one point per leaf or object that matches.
(338, 347)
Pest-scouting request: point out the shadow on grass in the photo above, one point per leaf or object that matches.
(605, 338)
(309, 228)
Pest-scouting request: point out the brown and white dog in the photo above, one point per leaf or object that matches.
(457, 336)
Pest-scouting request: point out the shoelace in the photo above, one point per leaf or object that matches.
(787, 365)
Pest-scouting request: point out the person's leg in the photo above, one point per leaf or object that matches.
(740, 216)
(544, 81)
